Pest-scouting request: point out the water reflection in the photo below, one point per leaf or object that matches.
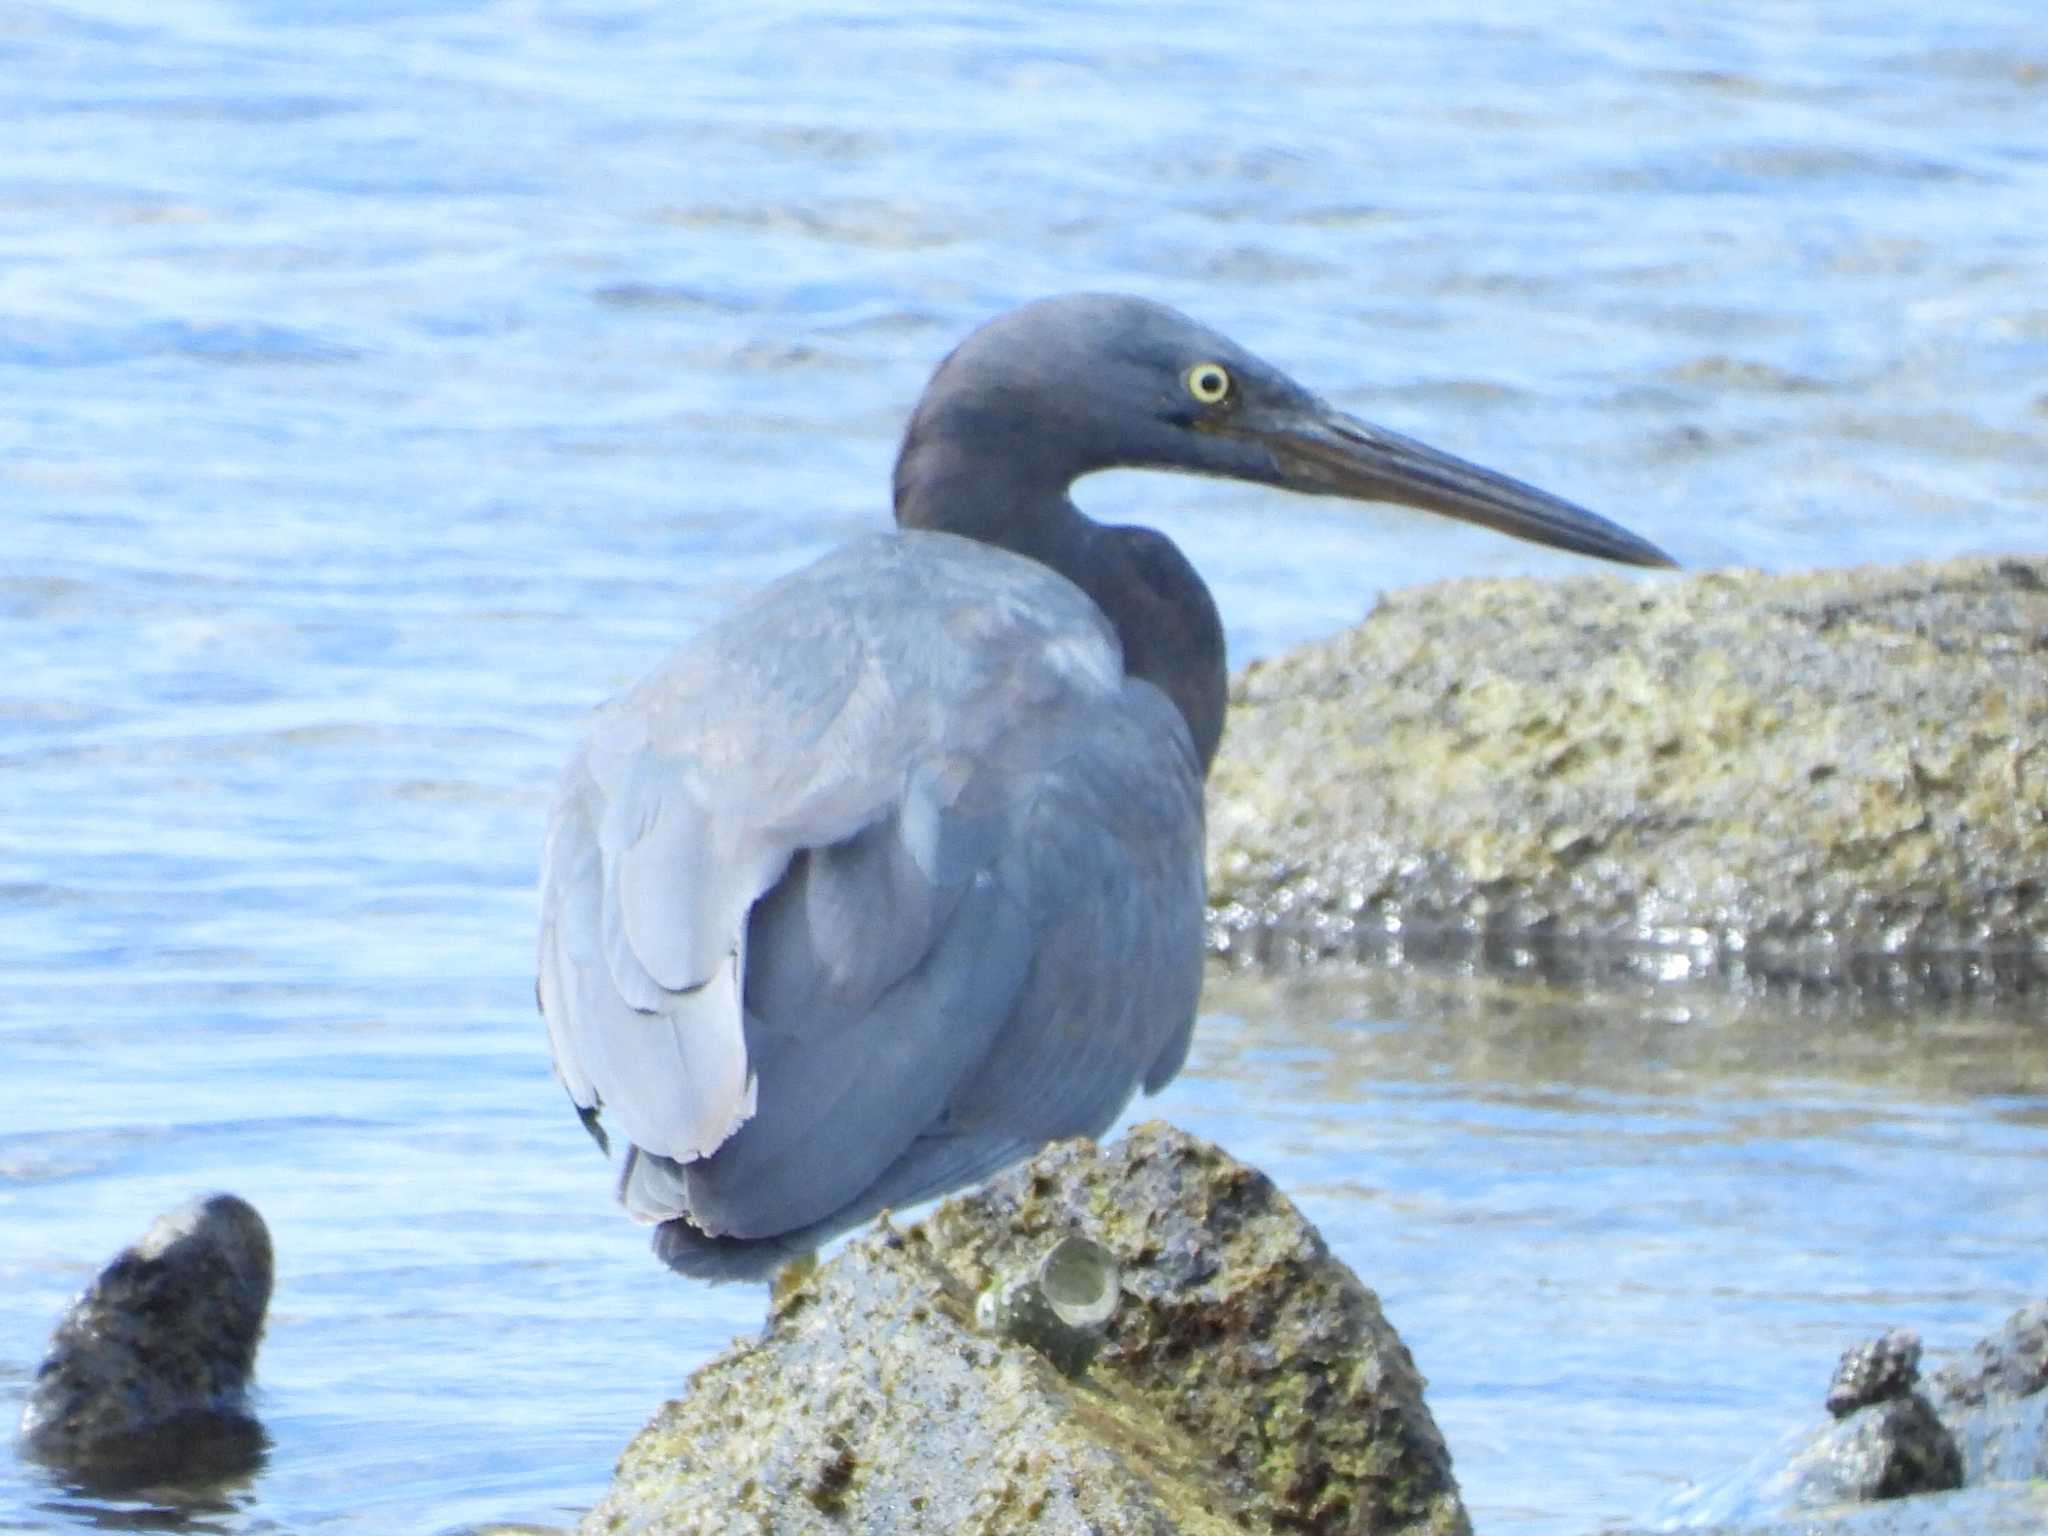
(198, 1503)
(191, 1467)
(1646, 1037)
(1825, 973)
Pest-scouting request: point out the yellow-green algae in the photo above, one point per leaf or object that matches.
(1769, 772)
(1249, 1382)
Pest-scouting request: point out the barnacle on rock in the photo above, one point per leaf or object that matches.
(1060, 1306)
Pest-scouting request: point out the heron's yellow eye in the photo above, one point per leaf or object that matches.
(1207, 382)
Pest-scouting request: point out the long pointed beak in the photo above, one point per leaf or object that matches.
(1325, 452)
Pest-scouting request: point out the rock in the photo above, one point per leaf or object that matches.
(1967, 1458)
(1876, 1372)
(1995, 1401)
(1238, 1325)
(147, 1378)
(1888, 1450)
(1248, 1382)
(1816, 777)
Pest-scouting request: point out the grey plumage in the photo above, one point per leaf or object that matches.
(895, 872)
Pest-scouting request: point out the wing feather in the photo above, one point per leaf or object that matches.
(670, 1067)
(1110, 853)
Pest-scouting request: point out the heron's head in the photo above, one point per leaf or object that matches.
(1066, 386)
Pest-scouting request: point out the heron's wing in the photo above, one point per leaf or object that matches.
(794, 868)
(1086, 923)
(1110, 851)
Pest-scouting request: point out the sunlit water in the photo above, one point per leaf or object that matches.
(380, 386)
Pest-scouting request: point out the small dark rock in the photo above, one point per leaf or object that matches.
(1891, 1449)
(1876, 1372)
(826, 1487)
(147, 1378)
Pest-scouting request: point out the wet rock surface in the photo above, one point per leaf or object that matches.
(1816, 777)
(147, 1379)
(1995, 1401)
(1247, 1382)
(1887, 1450)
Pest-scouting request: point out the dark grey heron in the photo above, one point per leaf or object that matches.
(895, 872)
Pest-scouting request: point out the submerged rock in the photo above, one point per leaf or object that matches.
(147, 1378)
(1818, 777)
(1247, 1382)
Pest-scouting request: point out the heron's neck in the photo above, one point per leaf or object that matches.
(1164, 617)
(995, 490)
(954, 493)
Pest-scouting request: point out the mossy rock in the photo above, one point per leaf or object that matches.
(1249, 1383)
(1819, 776)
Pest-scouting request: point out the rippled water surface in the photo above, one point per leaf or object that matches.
(382, 385)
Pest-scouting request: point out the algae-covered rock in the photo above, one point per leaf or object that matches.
(1822, 776)
(1242, 1329)
(147, 1378)
(1248, 1383)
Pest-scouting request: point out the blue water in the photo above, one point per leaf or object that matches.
(382, 385)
